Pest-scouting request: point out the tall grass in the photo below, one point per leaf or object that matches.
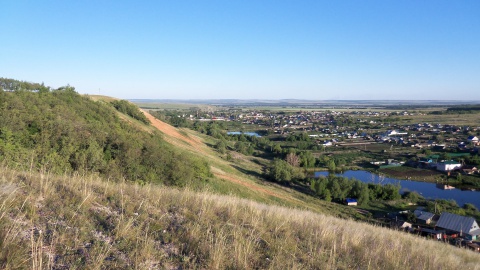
(83, 222)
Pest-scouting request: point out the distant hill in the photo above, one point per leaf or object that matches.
(304, 102)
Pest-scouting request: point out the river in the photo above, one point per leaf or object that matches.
(427, 190)
(245, 133)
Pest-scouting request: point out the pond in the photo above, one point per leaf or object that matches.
(427, 190)
(245, 133)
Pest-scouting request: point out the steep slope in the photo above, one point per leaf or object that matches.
(223, 170)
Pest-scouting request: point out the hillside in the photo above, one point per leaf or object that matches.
(92, 182)
(240, 176)
(55, 222)
(60, 131)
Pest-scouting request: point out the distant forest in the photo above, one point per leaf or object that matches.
(61, 131)
(461, 109)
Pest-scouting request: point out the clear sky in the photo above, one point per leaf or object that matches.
(259, 49)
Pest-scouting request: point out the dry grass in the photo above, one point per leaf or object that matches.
(83, 222)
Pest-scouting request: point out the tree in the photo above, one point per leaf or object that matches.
(331, 166)
(336, 190)
(459, 177)
(280, 171)
(241, 147)
(292, 159)
(470, 207)
(221, 147)
(427, 152)
(307, 159)
(412, 196)
(364, 196)
(327, 196)
(277, 149)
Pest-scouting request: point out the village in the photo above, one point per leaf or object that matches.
(454, 229)
(386, 142)
(346, 128)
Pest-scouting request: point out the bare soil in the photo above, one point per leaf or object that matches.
(173, 136)
(172, 132)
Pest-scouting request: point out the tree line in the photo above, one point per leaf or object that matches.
(339, 188)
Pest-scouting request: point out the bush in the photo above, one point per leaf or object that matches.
(130, 109)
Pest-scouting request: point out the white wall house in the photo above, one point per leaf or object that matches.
(447, 166)
(472, 139)
(394, 133)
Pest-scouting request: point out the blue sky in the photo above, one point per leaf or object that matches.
(246, 49)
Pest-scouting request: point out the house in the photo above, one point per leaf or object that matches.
(449, 165)
(465, 226)
(435, 234)
(394, 133)
(350, 201)
(473, 246)
(423, 216)
(328, 143)
(402, 225)
(472, 139)
(469, 169)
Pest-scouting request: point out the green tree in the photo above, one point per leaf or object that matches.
(364, 196)
(327, 196)
(221, 147)
(280, 171)
(307, 159)
(331, 166)
(277, 149)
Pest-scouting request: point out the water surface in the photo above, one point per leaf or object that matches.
(245, 133)
(427, 190)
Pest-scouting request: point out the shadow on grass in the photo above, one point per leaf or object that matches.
(249, 172)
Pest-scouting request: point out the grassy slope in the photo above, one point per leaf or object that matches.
(86, 222)
(231, 179)
(89, 223)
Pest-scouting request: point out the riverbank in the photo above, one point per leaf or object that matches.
(464, 182)
(414, 174)
(425, 189)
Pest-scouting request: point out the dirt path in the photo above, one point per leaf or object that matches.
(174, 136)
(172, 132)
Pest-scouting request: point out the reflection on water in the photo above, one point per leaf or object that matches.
(245, 133)
(427, 190)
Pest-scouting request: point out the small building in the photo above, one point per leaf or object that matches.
(435, 234)
(350, 201)
(473, 139)
(448, 166)
(327, 143)
(473, 246)
(469, 169)
(464, 226)
(394, 133)
(423, 217)
(402, 225)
